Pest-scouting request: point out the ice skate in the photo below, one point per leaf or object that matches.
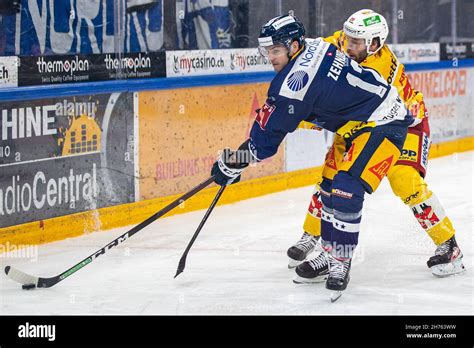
(447, 259)
(298, 252)
(313, 271)
(339, 277)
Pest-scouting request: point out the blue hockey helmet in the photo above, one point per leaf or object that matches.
(280, 30)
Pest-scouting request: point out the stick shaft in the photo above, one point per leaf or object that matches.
(182, 261)
(19, 276)
(139, 227)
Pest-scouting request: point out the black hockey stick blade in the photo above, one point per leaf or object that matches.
(28, 280)
(182, 261)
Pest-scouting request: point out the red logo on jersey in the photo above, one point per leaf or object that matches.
(407, 89)
(348, 154)
(381, 168)
(426, 215)
(316, 205)
(263, 115)
(330, 159)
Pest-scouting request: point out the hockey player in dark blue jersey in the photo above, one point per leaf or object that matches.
(318, 84)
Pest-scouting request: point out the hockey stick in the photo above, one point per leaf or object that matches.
(30, 282)
(182, 261)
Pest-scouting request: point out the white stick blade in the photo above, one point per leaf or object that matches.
(20, 277)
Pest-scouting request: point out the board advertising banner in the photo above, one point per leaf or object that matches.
(460, 50)
(8, 72)
(417, 52)
(210, 62)
(449, 98)
(44, 70)
(183, 130)
(65, 155)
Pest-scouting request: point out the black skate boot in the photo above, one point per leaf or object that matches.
(312, 271)
(298, 252)
(447, 259)
(338, 276)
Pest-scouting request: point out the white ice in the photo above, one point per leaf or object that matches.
(238, 264)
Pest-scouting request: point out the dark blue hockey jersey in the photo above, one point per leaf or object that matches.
(323, 86)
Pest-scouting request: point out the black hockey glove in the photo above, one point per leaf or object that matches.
(9, 7)
(230, 165)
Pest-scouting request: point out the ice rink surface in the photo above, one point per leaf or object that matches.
(238, 264)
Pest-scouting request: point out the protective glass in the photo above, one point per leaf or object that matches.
(273, 51)
(354, 44)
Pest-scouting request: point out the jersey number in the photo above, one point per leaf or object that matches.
(366, 86)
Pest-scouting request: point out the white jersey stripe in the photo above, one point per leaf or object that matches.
(391, 109)
(345, 226)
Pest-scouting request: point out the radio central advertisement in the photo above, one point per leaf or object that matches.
(65, 155)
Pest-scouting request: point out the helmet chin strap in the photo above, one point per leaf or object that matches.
(367, 46)
(296, 53)
(288, 47)
(369, 53)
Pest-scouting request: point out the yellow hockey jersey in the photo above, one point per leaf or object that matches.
(387, 65)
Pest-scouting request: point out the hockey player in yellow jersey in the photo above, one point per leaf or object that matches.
(363, 39)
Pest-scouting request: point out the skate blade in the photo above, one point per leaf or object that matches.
(335, 295)
(448, 269)
(293, 263)
(300, 280)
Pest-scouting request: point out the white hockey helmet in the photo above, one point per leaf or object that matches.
(367, 24)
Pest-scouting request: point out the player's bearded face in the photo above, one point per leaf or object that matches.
(354, 48)
(277, 54)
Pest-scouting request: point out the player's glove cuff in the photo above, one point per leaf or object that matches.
(227, 170)
(230, 165)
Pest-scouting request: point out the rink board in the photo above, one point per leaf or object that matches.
(183, 130)
(60, 156)
(133, 213)
(168, 127)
